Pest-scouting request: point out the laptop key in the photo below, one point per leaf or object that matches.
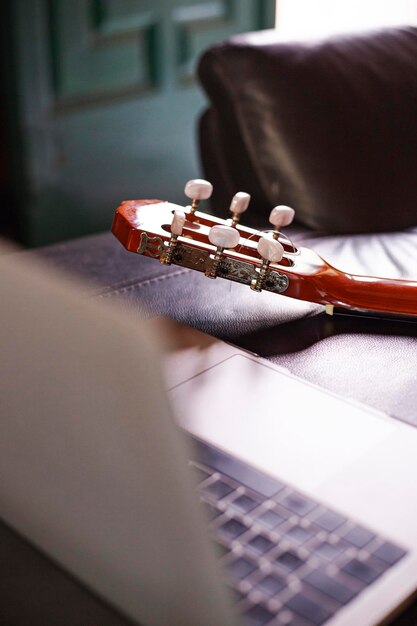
(359, 536)
(298, 534)
(271, 585)
(218, 490)
(257, 616)
(330, 586)
(330, 520)
(244, 504)
(260, 544)
(232, 529)
(271, 519)
(361, 571)
(289, 560)
(308, 609)
(297, 503)
(241, 567)
(329, 551)
(389, 553)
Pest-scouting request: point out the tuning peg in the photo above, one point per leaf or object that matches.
(281, 216)
(222, 237)
(177, 226)
(271, 251)
(239, 204)
(197, 189)
(177, 223)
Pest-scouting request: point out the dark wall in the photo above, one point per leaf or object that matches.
(10, 218)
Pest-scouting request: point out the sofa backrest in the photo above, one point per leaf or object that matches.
(329, 127)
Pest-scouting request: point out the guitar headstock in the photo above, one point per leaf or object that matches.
(264, 260)
(185, 236)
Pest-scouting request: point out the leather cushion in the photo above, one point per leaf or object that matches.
(372, 361)
(328, 127)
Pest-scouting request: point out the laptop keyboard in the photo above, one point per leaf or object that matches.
(289, 560)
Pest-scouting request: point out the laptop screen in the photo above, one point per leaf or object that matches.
(92, 468)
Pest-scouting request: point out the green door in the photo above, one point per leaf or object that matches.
(107, 104)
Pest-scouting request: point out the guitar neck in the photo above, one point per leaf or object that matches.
(376, 294)
(330, 286)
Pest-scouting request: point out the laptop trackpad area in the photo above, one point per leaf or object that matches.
(277, 422)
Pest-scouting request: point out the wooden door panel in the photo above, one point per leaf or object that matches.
(198, 26)
(98, 53)
(109, 101)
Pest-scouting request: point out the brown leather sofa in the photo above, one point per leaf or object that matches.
(330, 128)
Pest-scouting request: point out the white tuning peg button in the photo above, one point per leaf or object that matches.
(281, 216)
(270, 249)
(178, 222)
(240, 202)
(198, 189)
(223, 236)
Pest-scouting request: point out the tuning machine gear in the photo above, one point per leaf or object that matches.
(177, 226)
(271, 251)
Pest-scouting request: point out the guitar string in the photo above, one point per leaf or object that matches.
(267, 231)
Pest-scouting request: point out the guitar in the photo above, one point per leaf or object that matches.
(192, 239)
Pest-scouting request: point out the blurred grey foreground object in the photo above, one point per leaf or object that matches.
(82, 421)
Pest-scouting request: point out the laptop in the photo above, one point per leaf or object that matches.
(274, 502)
